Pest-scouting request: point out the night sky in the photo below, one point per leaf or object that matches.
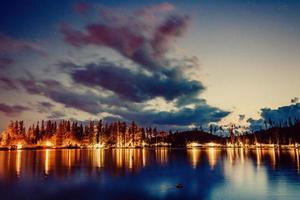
(175, 64)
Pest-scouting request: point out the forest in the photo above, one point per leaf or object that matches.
(74, 134)
(96, 134)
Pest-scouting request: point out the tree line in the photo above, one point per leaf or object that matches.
(273, 132)
(72, 133)
(67, 133)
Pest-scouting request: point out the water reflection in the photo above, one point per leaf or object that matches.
(18, 162)
(294, 153)
(258, 156)
(155, 172)
(50, 161)
(47, 161)
(194, 156)
(162, 155)
(98, 157)
(213, 154)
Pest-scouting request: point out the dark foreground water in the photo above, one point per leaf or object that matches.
(150, 174)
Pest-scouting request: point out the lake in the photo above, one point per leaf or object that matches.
(150, 174)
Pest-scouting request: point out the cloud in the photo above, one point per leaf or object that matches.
(133, 36)
(281, 113)
(174, 26)
(45, 104)
(82, 8)
(56, 115)
(144, 37)
(256, 124)
(87, 101)
(48, 108)
(44, 107)
(5, 62)
(200, 115)
(94, 104)
(8, 84)
(12, 110)
(278, 116)
(141, 40)
(12, 45)
(115, 90)
(84, 100)
(134, 86)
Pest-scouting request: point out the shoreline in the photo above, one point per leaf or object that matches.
(250, 147)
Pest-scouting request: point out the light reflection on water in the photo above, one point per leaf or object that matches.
(150, 173)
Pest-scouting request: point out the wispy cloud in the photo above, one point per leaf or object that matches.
(11, 45)
(12, 110)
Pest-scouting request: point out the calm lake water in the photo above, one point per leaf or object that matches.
(150, 174)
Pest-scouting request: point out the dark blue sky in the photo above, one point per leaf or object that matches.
(24, 17)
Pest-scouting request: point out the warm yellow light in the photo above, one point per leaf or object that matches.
(48, 144)
(211, 144)
(194, 155)
(229, 145)
(47, 161)
(98, 146)
(19, 146)
(271, 145)
(162, 144)
(193, 144)
(212, 157)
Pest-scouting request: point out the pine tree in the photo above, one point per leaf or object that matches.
(99, 132)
